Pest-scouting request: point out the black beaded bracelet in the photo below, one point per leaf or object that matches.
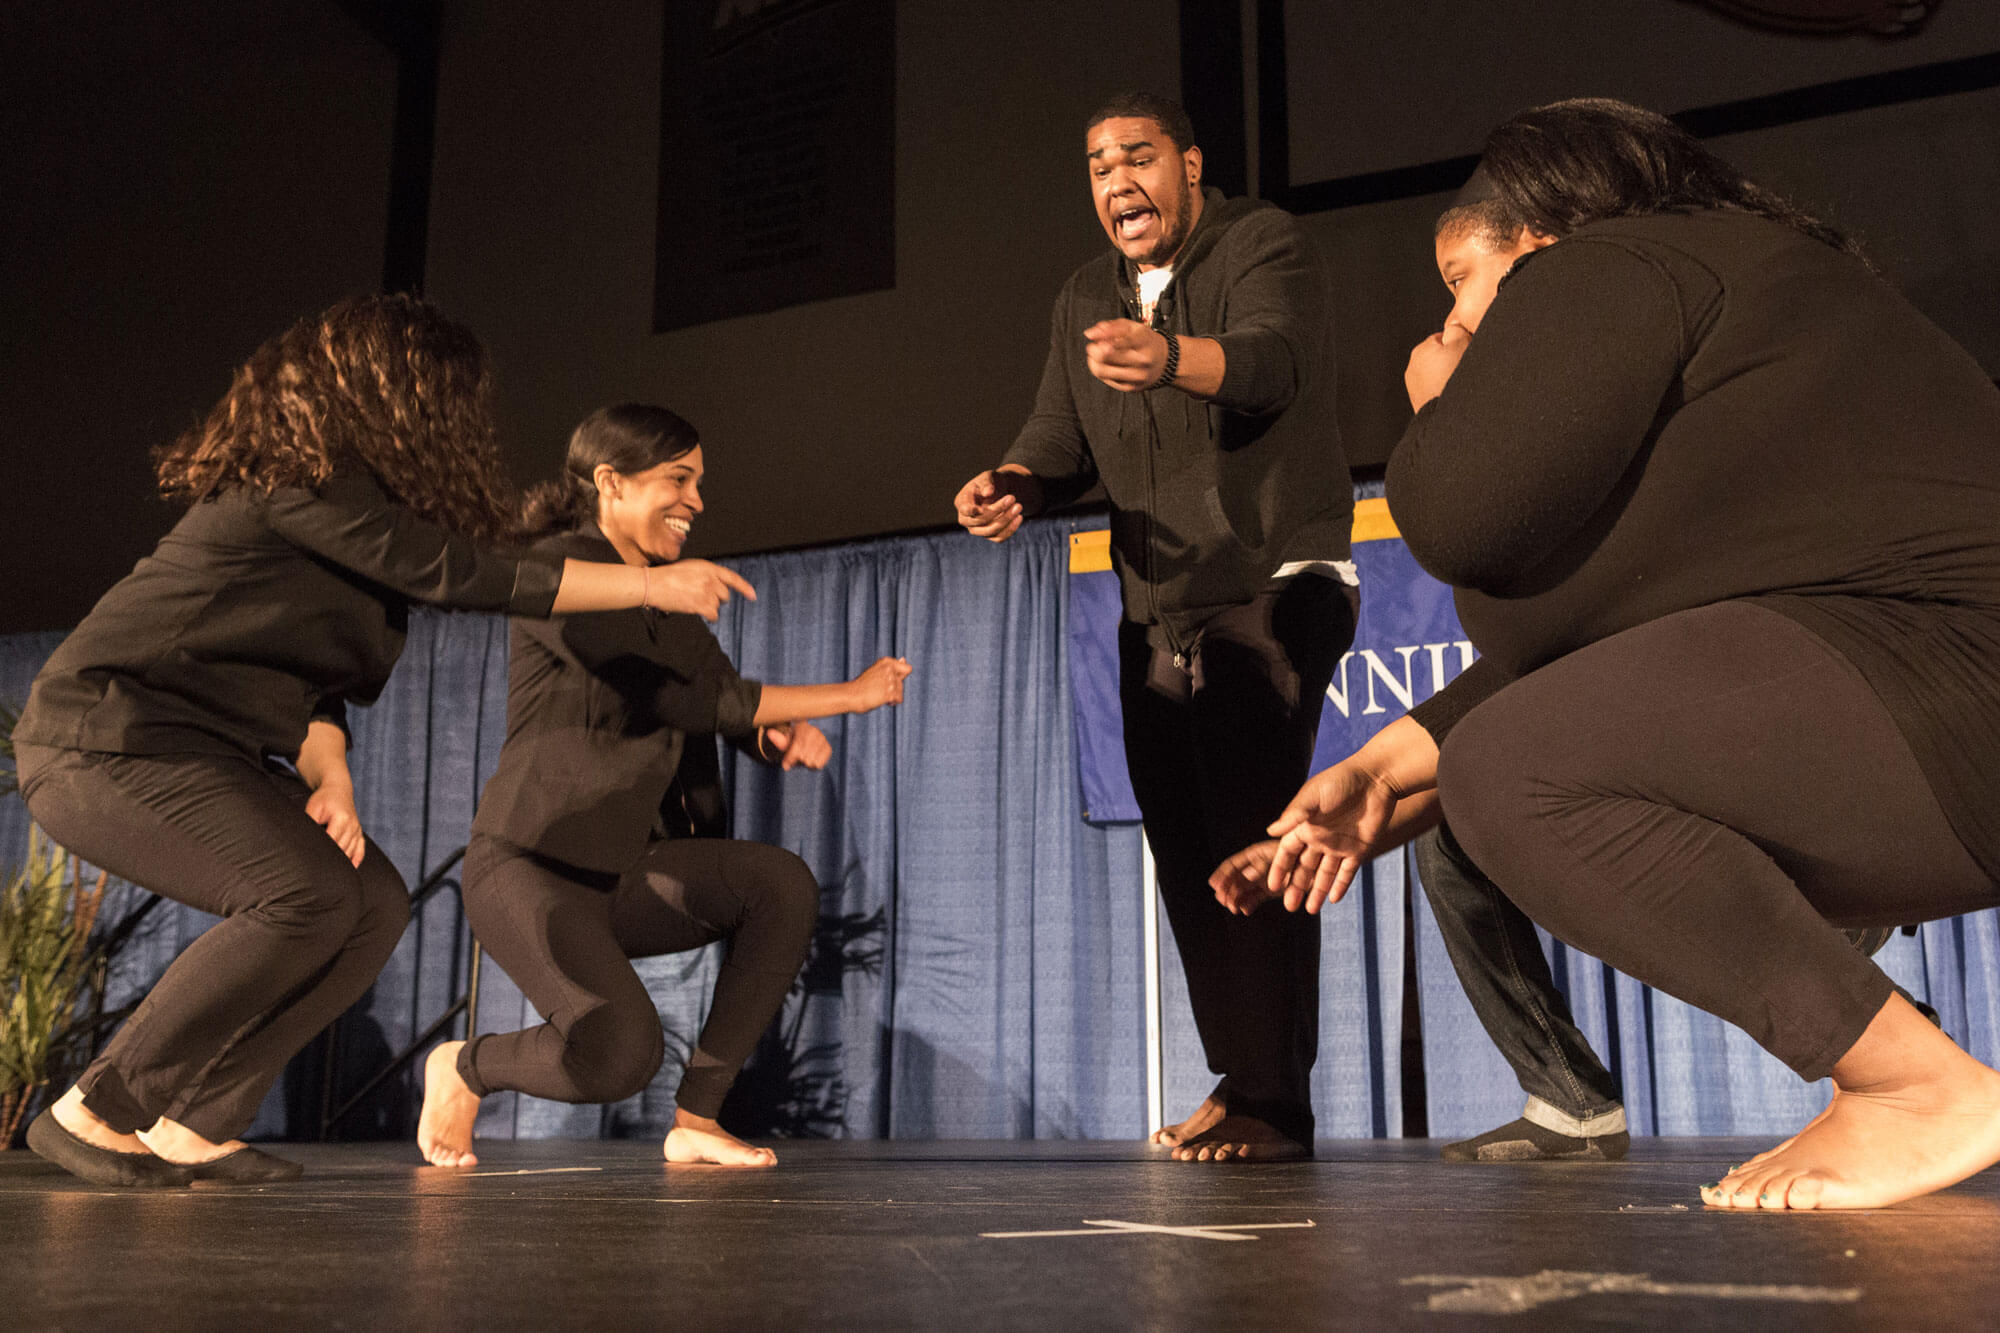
(1173, 365)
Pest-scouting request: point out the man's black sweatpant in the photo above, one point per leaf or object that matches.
(1216, 751)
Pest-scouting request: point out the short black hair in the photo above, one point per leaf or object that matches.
(1162, 111)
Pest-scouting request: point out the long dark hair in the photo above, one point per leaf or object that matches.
(383, 382)
(631, 437)
(1556, 167)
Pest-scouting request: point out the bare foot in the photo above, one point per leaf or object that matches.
(1769, 1153)
(1241, 1138)
(444, 1128)
(182, 1146)
(1205, 1117)
(1912, 1114)
(696, 1138)
(70, 1112)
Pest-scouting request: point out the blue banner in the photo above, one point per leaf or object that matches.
(1407, 647)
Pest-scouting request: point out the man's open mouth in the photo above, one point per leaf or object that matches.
(1132, 222)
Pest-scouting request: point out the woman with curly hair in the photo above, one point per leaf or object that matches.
(190, 735)
(1723, 515)
(602, 838)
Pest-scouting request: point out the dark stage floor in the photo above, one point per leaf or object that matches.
(903, 1235)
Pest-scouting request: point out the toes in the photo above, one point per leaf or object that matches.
(1732, 1191)
(439, 1154)
(1805, 1192)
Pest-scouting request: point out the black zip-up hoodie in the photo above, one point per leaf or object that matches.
(1207, 499)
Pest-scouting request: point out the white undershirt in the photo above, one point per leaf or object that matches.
(1151, 284)
(1340, 571)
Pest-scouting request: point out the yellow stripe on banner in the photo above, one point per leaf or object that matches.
(1372, 521)
(1090, 552)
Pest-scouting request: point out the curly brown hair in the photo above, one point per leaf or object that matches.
(386, 383)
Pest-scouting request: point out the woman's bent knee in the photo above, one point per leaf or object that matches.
(613, 1053)
(788, 893)
(385, 899)
(1483, 773)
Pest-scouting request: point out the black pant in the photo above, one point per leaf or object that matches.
(1501, 967)
(1215, 753)
(303, 934)
(566, 936)
(1701, 801)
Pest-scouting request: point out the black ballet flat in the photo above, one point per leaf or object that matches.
(245, 1166)
(101, 1166)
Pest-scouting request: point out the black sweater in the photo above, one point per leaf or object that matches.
(602, 709)
(1664, 412)
(257, 614)
(1207, 499)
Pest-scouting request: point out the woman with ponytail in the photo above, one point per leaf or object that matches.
(1723, 515)
(601, 837)
(190, 735)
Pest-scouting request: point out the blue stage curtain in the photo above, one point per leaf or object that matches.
(979, 970)
(988, 982)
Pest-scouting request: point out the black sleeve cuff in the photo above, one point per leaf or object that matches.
(736, 707)
(332, 708)
(1476, 684)
(536, 579)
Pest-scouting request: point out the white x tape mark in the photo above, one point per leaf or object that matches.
(1226, 1231)
(537, 1171)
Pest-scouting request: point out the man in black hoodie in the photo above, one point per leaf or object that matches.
(1190, 372)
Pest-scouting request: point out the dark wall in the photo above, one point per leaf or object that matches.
(835, 419)
(196, 181)
(182, 181)
(1377, 88)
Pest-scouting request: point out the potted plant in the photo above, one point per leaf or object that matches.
(53, 975)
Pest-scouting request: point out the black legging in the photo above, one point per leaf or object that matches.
(1700, 802)
(303, 934)
(565, 936)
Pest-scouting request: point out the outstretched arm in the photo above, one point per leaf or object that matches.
(880, 684)
(994, 504)
(1050, 463)
(1242, 883)
(1273, 333)
(1129, 356)
(695, 587)
(351, 522)
(1345, 814)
